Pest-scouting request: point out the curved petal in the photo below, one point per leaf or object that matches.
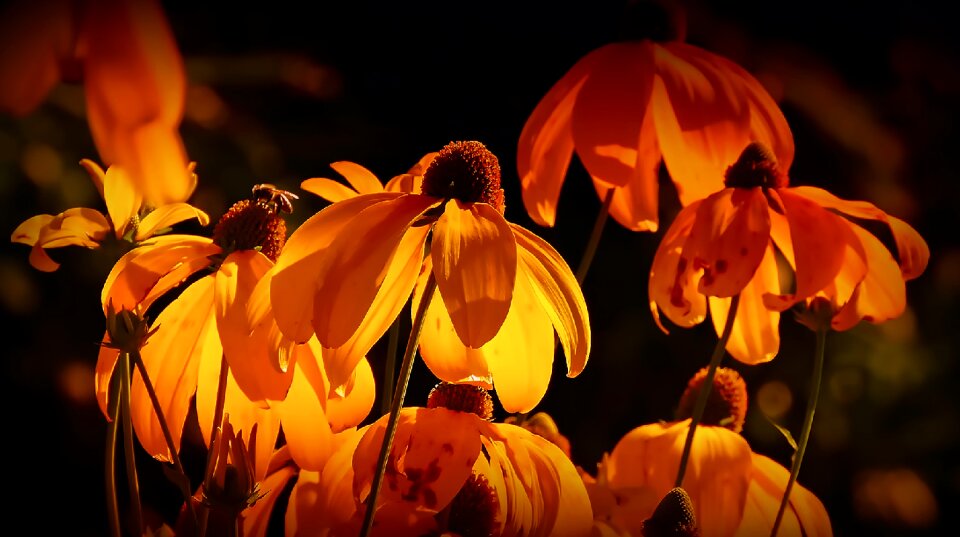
(881, 294)
(187, 335)
(75, 227)
(805, 514)
(106, 363)
(573, 513)
(755, 336)
(36, 39)
(256, 519)
(729, 239)
(321, 501)
(354, 406)
(634, 205)
(41, 261)
(474, 258)
(166, 216)
(297, 269)
(122, 198)
(546, 144)
(559, 294)
(672, 285)
(28, 232)
(613, 128)
(156, 159)
(328, 189)
(304, 420)
(361, 179)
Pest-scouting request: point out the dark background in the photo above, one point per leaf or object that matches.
(280, 90)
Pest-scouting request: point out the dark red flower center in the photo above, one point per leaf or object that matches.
(726, 403)
(251, 225)
(462, 398)
(473, 511)
(467, 171)
(756, 166)
(673, 517)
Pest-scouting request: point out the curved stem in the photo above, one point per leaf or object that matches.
(598, 224)
(705, 388)
(110, 462)
(405, 368)
(807, 426)
(174, 456)
(214, 433)
(129, 452)
(390, 366)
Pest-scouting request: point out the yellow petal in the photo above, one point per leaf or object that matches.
(304, 421)
(475, 262)
(256, 519)
(572, 512)
(29, 230)
(355, 405)
(805, 514)
(328, 189)
(166, 216)
(75, 227)
(123, 199)
(360, 178)
(106, 362)
(96, 173)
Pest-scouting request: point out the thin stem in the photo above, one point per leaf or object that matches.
(215, 433)
(110, 462)
(598, 224)
(174, 456)
(705, 388)
(405, 368)
(390, 366)
(807, 426)
(129, 452)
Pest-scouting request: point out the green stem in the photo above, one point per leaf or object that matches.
(598, 224)
(705, 388)
(217, 422)
(129, 452)
(807, 426)
(110, 463)
(390, 366)
(174, 456)
(405, 368)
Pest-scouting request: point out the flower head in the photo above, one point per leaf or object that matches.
(729, 244)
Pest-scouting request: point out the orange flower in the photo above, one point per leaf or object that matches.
(133, 77)
(346, 273)
(734, 491)
(271, 380)
(450, 470)
(728, 243)
(625, 106)
(128, 218)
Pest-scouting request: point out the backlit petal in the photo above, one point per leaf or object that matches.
(672, 286)
(546, 144)
(78, 226)
(166, 216)
(475, 262)
(881, 294)
(122, 198)
(304, 421)
(322, 501)
(634, 206)
(328, 189)
(805, 514)
(573, 515)
(559, 294)
(361, 179)
(29, 230)
(106, 362)
(613, 129)
(354, 406)
(256, 519)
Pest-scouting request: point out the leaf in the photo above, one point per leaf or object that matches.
(785, 432)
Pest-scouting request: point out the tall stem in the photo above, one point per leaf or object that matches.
(405, 368)
(807, 426)
(598, 224)
(390, 366)
(128, 448)
(705, 388)
(174, 456)
(110, 462)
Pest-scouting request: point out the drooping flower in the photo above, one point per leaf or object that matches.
(626, 106)
(128, 218)
(271, 381)
(450, 470)
(133, 77)
(728, 244)
(734, 491)
(346, 273)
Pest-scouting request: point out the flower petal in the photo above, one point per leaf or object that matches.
(166, 216)
(634, 205)
(36, 40)
(122, 198)
(755, 336)
(256, 519)
(321, 501)
(571, 509)
(355, 405)
(360, 178)
(475, 262)
(304, 420)
(106, 363)
(28, 232)
(546, 144)
(672, 285)
(75, 227)
(559, 294)
(881, 295)
(328, 189)
(805, 514)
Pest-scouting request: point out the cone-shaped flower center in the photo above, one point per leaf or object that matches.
(473, 511)
(727, 403)
(467, 171)
(251, 225)
(756, 166)
(673, 517)
(462, 398)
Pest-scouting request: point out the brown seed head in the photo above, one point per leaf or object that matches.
(726, 404)
(467, 171)
(462, 398)
(756, 166)
(250, 225)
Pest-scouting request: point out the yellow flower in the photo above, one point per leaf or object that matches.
(133, 78)
(346, 273)
(128, 218)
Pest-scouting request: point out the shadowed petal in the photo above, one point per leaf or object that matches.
(79, 226)
(672, 286)
(634, 205)
(166, 216)
(320, 501)
(106, 362)
(475, 262)
(122, 198)
(304, 419)
(28, 232)
(881, 294)
(570, 505)
(256, 519)
(805, 514)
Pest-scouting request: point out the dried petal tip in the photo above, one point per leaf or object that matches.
(251, 225)
(673, 517)
(726, 404)
(462, 398)
(473, 511)
(467, 171)
(756, 166)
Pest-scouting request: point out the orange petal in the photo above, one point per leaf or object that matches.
(186, 336)
(560, 296)
(805, 514)
(728, 239)
(41, 261)
(122, 198)
(29, 230)
(35, 37)
(475, 262)
(672, 284)
(106, 362)
(881, 294)
(323, 501)
(755, 336)
(546, 144)
(634, 206)
(361, 179)
(328, 189)
(613, 129)
(354, 406)
(297, 268)
(570, 507)
(166, 216)
(157, 160)
(75, 227)
(304, 421)
(256, 519)
(96, 173)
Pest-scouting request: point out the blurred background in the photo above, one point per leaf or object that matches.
(280, 90)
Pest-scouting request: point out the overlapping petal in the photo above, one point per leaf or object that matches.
(672, 286)
(805, 514)
(167, 215)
